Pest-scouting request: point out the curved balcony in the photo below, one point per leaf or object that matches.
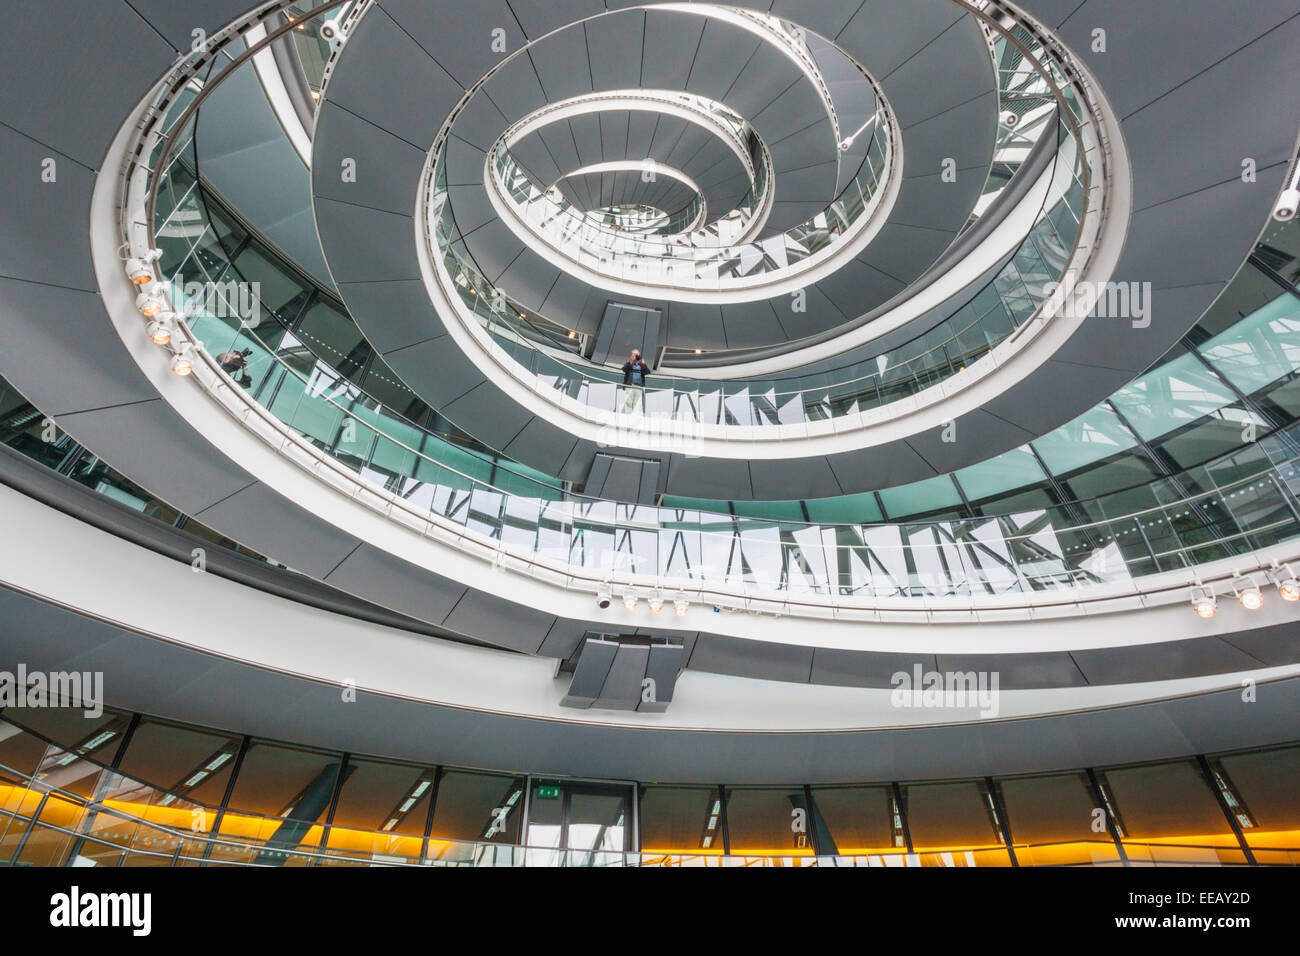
(600, 542)
(706, 263)
(1012, 298)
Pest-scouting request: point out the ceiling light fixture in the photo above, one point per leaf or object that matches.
(680, 604)
(182, 365)
(150, 303)
(160, 331)
(629, 600)
(1288, 588)
(656, 602)
(1248, 592)
(1204, 602)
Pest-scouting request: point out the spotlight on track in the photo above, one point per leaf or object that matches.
(1248, 592)
(160, 330)
(629, 600)
(182, 364)
(680, 604)
(150, 303)
(656, 602)
(604, 597)
(140, 269)
(1204, 602)
(1288, 588)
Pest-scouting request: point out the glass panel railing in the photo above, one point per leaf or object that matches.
(994, 312)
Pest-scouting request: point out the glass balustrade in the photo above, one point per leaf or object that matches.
(991, 315)
(1238, 503)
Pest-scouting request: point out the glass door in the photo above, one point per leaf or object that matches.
(578, 824)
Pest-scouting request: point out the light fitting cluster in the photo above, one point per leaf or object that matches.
(152, 303)
(1245, 588)
(631, 600)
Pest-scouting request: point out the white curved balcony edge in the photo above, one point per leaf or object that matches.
(293, 639)
(753, 288)
(1094, 258)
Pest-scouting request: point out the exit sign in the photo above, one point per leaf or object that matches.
(548, 793)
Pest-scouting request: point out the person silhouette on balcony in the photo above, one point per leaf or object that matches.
(634, 376)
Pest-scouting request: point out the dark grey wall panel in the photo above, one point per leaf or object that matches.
(259, 513)
(384, 165)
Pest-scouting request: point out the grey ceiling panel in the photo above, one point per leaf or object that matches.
(931, 203)
(1176, 658)
(531, 153)
(754, 322)
(696, 326)
(539, 17)
(1155, 135)
(805, 185)
(870, 468)
(77, 108)
(43, 255)
(464, 162)
(613, 135)
(912, 25)
(470, 207)
(789, 116)
(976, 430)
(515, 89)
(529, 279)
(393, 583)
(150, 438)
(542, 443)
(818, 16)
(967, 73)
(303, 541)
(615, 46)
(858, 287)
(518, 627)
(436, 370)
(480, 122)
(905, 251)
(177, 21)
(387, 169)
(587, 138)
(388, 79)
(1206, 33)
(722, 54)
(496, 416)
(964, 133)
(565, 301)
(846, 668)
(793, 479)
(1061, 391)
(1169, 311)
(1015, 671)
(561, 64)
(559, 141)
(1199, 238)
(366, 244)
(35, 322)
(711, 478)
(494, 247)
(466, 62)
(642, 125)
(395, 314)
(767, 74)
(670, 44)
(767, 661)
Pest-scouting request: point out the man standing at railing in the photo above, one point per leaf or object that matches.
(634, 375)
